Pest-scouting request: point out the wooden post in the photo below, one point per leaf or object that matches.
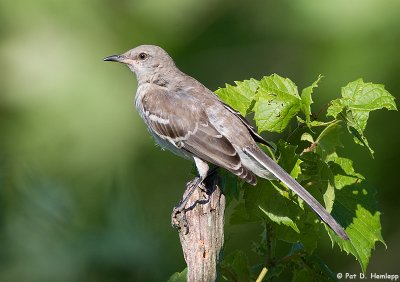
(201, 229)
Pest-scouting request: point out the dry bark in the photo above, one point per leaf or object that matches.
(201, 229)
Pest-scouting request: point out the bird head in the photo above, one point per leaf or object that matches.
(144, 60)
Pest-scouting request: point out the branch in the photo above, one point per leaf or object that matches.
(201, 229)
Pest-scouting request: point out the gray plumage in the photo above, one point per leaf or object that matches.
(190, 120)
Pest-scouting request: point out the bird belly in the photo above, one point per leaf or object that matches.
(164, 143)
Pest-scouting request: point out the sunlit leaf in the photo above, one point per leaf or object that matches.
(329, 140)
(314, 123)
(264, 201)
(358, 100)
(307, 137)
(356, 209)
(179, 276)
(277, 102)
(306, 100)
(240, 96)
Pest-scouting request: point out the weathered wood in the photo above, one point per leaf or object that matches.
(201, 229)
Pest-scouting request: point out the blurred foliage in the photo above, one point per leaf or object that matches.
(84, 193)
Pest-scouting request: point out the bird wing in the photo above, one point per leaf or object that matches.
(251, 129)
(180, 119)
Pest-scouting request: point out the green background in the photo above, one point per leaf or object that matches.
(84, 193)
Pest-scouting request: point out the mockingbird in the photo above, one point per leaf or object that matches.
(190, 120)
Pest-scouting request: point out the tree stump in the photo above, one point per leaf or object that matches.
(201, 229)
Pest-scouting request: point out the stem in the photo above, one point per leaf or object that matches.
(326, 123)
(271, 153)
(324, 107)
(262, 274)
(270, 245)
(227, 272)
(294, 131)
(290, 258)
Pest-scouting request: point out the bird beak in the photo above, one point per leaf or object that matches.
(118, 58)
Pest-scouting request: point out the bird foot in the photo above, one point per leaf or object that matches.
(178, 216)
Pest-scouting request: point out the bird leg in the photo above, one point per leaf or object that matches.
(179, 211)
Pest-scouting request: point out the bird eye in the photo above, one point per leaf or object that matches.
(142, 56)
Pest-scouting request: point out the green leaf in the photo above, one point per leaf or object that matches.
(343, 170)
(294, 224)
(288, 157)
(314, 123)
(230, 184)
(307, 137)
(313, 269)
(358, 100)
(277, 102)
(318, 178)
(310, 230)
(306, 221)
(265, 201)
(274, 272)
(240, 96)
(329, 178)
(296, 169)
(356, 209)
(329, 140)
(178, 276)
(235, 267)
(240, 215)
(335, 108)
(306, 100)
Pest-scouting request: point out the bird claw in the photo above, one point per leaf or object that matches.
(179, 220)
(178, 216)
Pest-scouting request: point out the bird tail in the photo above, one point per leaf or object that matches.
(272, 167)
